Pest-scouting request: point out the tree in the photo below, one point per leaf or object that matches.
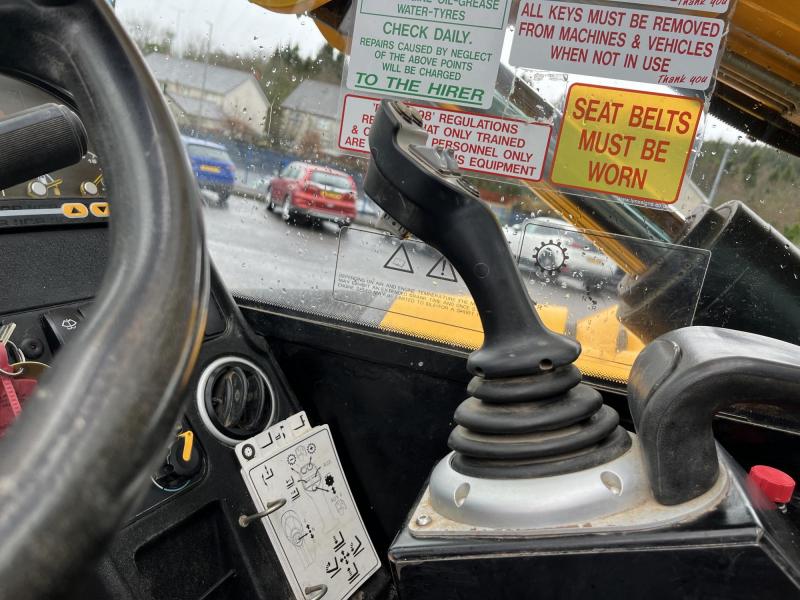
(149, 36)
(309, 145)
(793, 233)
(327, 65)
(751, 168)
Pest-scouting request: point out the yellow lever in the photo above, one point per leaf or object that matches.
(188, 442)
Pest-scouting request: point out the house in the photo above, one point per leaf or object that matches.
(311, 117)
(211, 98)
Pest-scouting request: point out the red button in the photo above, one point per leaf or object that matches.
(776, 485)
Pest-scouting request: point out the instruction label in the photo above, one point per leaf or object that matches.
(618, 43)
(401, 276)
(481, 143)
(443, 51)
(629, 143)
(318, 533)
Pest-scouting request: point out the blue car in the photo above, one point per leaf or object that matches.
(212, 166)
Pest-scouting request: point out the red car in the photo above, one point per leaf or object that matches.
(313, 192)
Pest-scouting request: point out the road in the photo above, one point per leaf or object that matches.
(295, 266)
(255, 250)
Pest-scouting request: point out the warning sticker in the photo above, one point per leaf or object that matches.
(482, 144)
(633, 144)
(400, 261)
(576, 278)
(401, 276)
(618, 43)
(443, 51)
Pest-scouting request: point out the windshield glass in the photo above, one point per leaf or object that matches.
(331, 180)
(280, 92)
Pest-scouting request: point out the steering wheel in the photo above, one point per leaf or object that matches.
(76, 460)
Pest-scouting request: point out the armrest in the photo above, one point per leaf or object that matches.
(682, 379)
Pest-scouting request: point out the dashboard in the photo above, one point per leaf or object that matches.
(54, 237)
(187, 519)
(184, 539)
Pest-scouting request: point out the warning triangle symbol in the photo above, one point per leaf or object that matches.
(75, 210)
(399, 261)
(443, 270)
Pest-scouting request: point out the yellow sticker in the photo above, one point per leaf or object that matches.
(74, 210)
(624, 142)
(451, 318)
(99, 209)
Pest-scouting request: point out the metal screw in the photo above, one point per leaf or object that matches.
(424, 520)
(315, 592)
(409, 113)
(245, 520)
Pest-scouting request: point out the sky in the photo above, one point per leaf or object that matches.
(237, 25)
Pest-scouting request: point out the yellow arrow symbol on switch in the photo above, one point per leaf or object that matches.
(188, 442)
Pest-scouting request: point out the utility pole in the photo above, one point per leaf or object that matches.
(723, 163)
(269, 122)
(174, 43)
(205, 71)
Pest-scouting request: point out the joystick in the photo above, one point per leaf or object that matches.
(528, 414)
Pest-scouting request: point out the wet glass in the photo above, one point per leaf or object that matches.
(208, 152)
(330, 180)
(267, 87)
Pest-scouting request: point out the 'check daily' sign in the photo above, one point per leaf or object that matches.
(437, 51)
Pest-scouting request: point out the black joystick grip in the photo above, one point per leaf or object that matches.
(39, 140)
(529, 415)
(422, 188)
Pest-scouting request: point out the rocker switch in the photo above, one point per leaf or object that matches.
(61, 324)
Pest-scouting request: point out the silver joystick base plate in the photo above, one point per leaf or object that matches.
(615, 496)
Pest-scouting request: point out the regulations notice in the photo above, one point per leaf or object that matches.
(428, 49)
(618, 43)
(633, 144)
(481, 143)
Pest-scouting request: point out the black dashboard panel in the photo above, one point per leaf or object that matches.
(188, 544)
(177, 543)
(51, 266)
(182, 540)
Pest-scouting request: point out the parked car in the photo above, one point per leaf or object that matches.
(212, 167)
(306, 191)
(553, 249)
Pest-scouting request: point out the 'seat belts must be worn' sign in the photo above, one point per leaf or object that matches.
(635, 144)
